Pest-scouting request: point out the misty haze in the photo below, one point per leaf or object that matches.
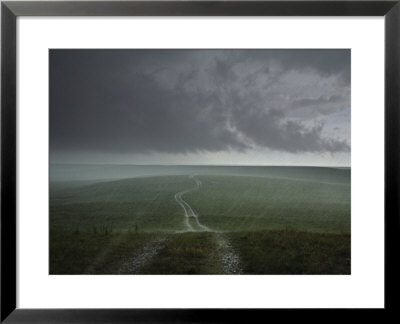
(200, 161)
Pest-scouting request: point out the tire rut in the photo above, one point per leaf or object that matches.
(146, 253)
(228, 257)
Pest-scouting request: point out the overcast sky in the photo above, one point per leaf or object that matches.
(257, 107)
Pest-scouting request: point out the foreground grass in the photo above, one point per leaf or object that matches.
(186, 253)
(89, 253)
(260, 252)
(292, 252)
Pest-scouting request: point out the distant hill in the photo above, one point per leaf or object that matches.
(88, 172)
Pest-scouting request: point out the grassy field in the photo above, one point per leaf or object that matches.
(261, 252)
(237, 203)
(260, 220)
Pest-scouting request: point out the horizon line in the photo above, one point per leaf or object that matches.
(205, 165)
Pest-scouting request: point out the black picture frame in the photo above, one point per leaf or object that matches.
(11, 10)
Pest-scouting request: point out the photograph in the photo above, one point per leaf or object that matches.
(199, 161)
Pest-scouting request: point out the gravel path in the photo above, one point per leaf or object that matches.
(143, 256)
(228, 257)
(191, 218)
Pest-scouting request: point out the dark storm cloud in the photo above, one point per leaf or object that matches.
(323, 62)
(176, 101)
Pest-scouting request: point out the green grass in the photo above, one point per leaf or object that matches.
(260, 252)
(90, 253)
(292, 252)
(93, 253)
(148, 203)
(187, 253)
(249, 203)
(225, 203)
(278, 221)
